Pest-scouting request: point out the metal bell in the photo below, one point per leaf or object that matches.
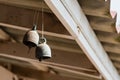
(43, 50)
(31, 38)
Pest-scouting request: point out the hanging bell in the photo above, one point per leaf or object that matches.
(31, 38)
(43, 51)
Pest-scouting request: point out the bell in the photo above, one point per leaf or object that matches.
(31, 38)
(43, 51)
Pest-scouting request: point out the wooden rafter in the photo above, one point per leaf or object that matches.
(4, 36)
(29, 4)
(37, 4)
(46, 33)
(53, 44)
(18, 49)
(30, 63)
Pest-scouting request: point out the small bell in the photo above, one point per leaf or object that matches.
(43, 51)
(31, 38)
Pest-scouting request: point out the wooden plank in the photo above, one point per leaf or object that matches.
(119, 71)
(47, 68)
(117, 65)
(105, 37)
(3, 35)
(69, 67)
(24, 17)
(41, 75)
(102, 36)
(27, 78)
(23, 71)
(111, 48)
(102, 24)
(9, 76)
(35, 74)
(79, 28)
(57, 43)
(57, 55)
(29, 4)
(115, 58)
(37, 4)
(57, 37)
(100, 8)
(45, 32)
(11, 14)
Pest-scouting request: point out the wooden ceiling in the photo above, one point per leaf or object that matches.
(16, 17)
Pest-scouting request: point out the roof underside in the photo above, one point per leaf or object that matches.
(16, 17)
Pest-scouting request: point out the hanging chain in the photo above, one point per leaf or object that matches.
(35, 17)
(42, 21)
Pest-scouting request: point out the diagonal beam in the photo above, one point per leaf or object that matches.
(76, 23)
(3, 35)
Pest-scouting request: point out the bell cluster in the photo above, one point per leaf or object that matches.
(32, 39)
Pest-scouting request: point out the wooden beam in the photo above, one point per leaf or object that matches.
(35, 74)
(27, 78)
(111, 38)
(57, 54)
(102, 24)
(7, 75)
(117, 65)
(47, 68)
(103, 37)
(70, 67)
(45, 32)
(29, 4)
(27, 19)
(23, 71)
(79, 28)
(37, 4)
(40, 75)
(64, 45)
(9, 11)
(111, 48)
(24, 17)
(119, 71)
(3, 35)
(100, 8)
(115, 59)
